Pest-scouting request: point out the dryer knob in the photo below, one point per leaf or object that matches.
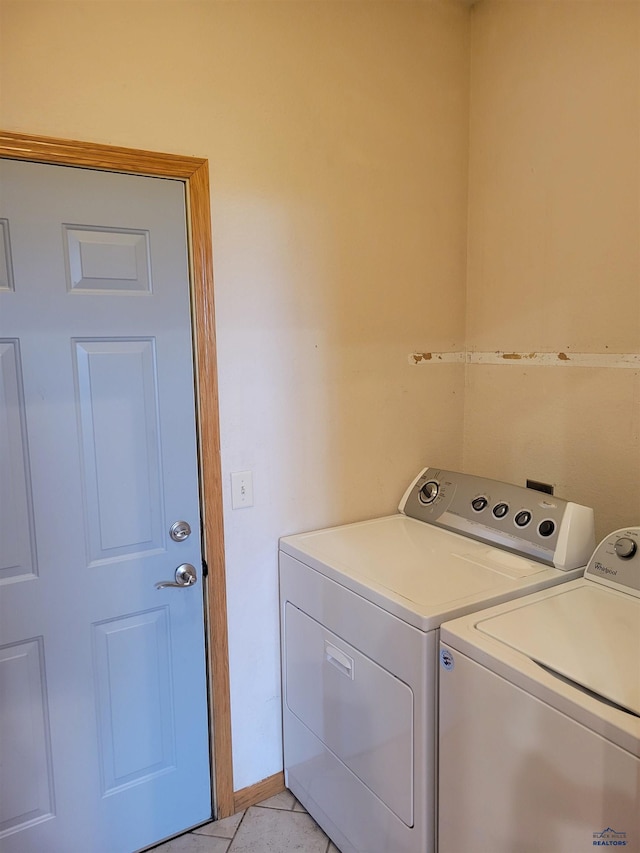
(625, 548)
(546, 527)
(429, 492)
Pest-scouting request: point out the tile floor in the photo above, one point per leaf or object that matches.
(277, 825)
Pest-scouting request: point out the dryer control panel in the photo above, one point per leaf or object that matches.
(616, 561)
(527, 522)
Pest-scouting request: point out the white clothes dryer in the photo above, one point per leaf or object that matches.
(540, 716)
(361, 607)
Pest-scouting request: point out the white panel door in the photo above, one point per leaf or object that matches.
(103, 712)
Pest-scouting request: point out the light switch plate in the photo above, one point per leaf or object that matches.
(241, 489)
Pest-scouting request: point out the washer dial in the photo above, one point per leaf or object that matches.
(625, 547)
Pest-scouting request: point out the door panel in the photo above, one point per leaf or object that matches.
(133, 673)
(17, 549)
(26, 751)
(6, 275)
(106, 259)
(116, 388)
(97, 460)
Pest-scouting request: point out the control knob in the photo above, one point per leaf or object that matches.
(625, 547)
(546, 527)
(429, 492)
(501, 509)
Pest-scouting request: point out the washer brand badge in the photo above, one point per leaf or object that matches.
(609, 838)
(605, 571)
(446, 659)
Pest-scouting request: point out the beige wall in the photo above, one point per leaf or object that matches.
(337, 140)
(554, 249)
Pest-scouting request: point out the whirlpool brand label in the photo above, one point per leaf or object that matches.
(446, 659)
(603, 569)
(609, 838)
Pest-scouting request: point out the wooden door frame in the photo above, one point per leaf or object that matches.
(194, 171)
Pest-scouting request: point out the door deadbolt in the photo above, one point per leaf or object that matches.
(180, 531)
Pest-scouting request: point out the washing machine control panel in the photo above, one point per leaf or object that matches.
(524, 521)
(616, 560)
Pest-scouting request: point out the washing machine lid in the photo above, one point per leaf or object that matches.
(419, 572)
(585, 633)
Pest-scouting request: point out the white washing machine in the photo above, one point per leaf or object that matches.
(361, 607)
(540, 716)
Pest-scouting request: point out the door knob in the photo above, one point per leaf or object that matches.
(185, 576)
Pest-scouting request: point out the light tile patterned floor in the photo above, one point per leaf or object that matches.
(277, 825)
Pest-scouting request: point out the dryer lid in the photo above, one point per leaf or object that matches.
(416, 571)
(587, 634)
